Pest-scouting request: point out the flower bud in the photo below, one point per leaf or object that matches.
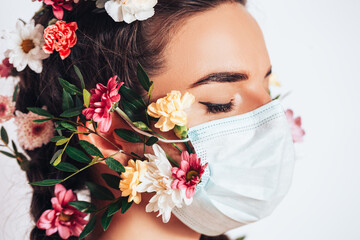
(181, 131)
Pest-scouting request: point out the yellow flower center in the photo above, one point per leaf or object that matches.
(27, 45)
(64, 217)
(191, 174)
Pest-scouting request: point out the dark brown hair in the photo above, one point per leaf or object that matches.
(105, 48)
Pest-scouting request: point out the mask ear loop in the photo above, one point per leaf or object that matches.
(128, 121)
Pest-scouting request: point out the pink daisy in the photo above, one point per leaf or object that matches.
(7, 108)
(5, 68)
(63, 218)
(295, 126)
(32, 135)
(189, 174)
(102, 102)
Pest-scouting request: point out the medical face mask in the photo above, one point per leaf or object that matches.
(250, 165)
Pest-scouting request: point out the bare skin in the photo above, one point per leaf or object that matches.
(224, 40)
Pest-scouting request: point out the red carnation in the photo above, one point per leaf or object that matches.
(61, 37)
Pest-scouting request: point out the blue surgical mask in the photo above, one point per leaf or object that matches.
(250, 166)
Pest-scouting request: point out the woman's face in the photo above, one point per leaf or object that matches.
(220, 57)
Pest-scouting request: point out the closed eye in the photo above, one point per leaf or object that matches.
(216, 107)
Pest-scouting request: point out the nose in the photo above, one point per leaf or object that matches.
(253, 96)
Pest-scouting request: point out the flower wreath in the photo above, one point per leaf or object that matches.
(173, 184)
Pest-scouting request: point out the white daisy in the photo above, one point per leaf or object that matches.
(24, 46)
(128, 10)
(158, 179)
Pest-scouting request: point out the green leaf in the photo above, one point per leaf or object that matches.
(132, 97)
(70, 88)
(151, 89)
(128, 135)
(114, 165)
(88, 228)
(47, 182)
(90, 148)
(14, 147)
(77, 155)
(100, 192)
(68, 126)
(277, 97)
(72, 112)
(15, 92)
(131, 110)
(142, 126)
(8, 154)
(151, 141)
(80, 76)
(78, 102)
(125, 204)
(57, 155)
(56, 138)
(40, 111)
(105, 220)
(241, 238)
(42, 120)
(62, 141)
(67, 101)
(59, 128)
(114, 207)
(86, 97)
(143, 77)
(111, 180)
(4, 135)
(66, 167)
(83, 206)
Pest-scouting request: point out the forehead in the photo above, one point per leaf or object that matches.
(226, 38)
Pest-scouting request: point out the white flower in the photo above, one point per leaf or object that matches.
(158, 179)
(24, 46)
(128, 10)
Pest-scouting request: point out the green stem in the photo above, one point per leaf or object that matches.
(188, 147)
(7, 145)
(172, 160)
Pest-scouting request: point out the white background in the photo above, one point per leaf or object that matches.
(314, 46)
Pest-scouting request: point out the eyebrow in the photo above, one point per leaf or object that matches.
(224, 77)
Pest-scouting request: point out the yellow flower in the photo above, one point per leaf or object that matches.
(130, 180)
(273, 80)
(170, 110)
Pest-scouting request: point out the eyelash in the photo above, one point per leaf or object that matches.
(216, 108)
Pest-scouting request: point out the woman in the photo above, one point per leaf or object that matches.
(211, 49)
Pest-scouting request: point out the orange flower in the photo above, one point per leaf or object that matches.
(170, 110)
(130, 180)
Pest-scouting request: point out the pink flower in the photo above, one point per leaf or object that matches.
(295, 126)
(189, 174)
(32, 135)
(60, 37)
(7, 108)
(5, 68)
(60, 5)
(63, 218)
(102, 102)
